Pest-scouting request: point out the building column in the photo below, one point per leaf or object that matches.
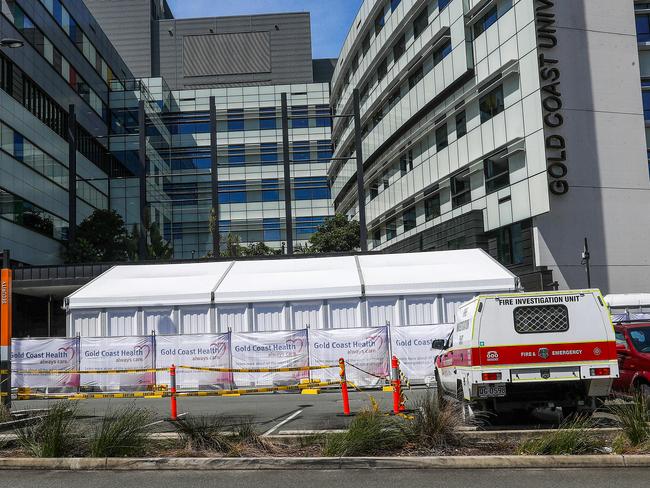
(142, 177)
(361, 193)
(72, 175)
(287, 174)
(214, 168)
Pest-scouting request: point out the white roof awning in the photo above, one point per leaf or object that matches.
(301, 278)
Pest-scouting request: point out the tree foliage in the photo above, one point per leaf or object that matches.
(337, 234)
(101, 237)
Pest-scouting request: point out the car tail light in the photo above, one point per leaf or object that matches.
(491, 376)
(599, 371)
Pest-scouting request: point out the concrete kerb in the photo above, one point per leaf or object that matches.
(207, 464)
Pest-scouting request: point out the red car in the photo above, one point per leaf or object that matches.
(633, 349)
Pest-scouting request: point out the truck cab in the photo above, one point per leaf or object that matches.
(528, 350)
(633, 350)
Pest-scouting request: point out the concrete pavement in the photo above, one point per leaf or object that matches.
(489, 478)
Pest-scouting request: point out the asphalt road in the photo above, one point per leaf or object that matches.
(547, 478)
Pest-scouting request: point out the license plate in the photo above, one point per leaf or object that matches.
(489, 391)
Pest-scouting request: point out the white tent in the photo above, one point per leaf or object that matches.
(284, 294)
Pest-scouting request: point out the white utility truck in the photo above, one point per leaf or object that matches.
(529, 350)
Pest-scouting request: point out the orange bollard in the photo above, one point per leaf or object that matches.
(344, 388)
(172, 380)
(397, 384)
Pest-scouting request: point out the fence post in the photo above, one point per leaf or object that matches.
(344, 388)
(172, 381)
(395, 379)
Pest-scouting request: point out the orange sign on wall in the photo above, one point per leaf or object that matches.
(5, 307)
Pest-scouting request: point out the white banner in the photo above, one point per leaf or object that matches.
(285, 349)
(203, 351)
(412, 346)
(101, 353)
(44, 354)
(367, 349)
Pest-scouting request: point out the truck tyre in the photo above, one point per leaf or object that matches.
(440, 394)
(644, 390)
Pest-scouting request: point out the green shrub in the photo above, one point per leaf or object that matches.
(5, 414)
(204, 433)
(572, 437)
(434, 424)
(122, 433)
(53, 435)
(634, 418)
(370, 432)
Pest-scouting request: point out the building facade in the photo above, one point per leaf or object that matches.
(511, 125)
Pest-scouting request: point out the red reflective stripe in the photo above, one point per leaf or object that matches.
(546, 353)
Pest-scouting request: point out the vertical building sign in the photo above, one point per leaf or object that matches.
(550, 76)
(5, 334)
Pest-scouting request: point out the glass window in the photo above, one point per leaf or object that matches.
(272, 230)
(486, 21)
(461, 124)
(643, 28)
(432, 207)
(235, 120)
(365, 44)
(409, 219)
(324, 150)
(380, 22)
(301, 151)
(406, 162)
(232, 191)
(416, 77)
(442, 137)
(270, 190)
(311, 188)
(382, 69)
(374, 190)
(460, 189)
(442, 4)
(497, 174)
(268, 119)
(441, 53)
(640, 338)
(269, 153)
(323, 118)
(26, 214)
(236, 154)
(491, 104)
(391, 230)
(399, 48)
(299, 118)
(421, 22)
(306, 226)
(394, 4)
(646, 104)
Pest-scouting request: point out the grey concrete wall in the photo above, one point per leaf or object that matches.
(128, 24)
(609, 197)
(290, 45)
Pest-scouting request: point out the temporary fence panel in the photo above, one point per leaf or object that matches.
(382, 311)
(344, 314)
(161, 321)
(56, 354)
(452, 302)
(201, 351)
(422, 310)
(307, 315)
(233, 318)
(86, 323)
(122, 322)
(412, 346)
(282, 349)
(269, 317)
(364, 350)
(195, 320)
(124, 353)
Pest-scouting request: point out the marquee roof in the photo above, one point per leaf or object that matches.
(273, 280)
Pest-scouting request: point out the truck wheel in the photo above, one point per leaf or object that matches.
(467, 413)
(569, 413)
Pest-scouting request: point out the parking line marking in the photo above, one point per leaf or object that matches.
(277, 426)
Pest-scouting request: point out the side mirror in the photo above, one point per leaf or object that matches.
(622, 349)
(438, 344)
